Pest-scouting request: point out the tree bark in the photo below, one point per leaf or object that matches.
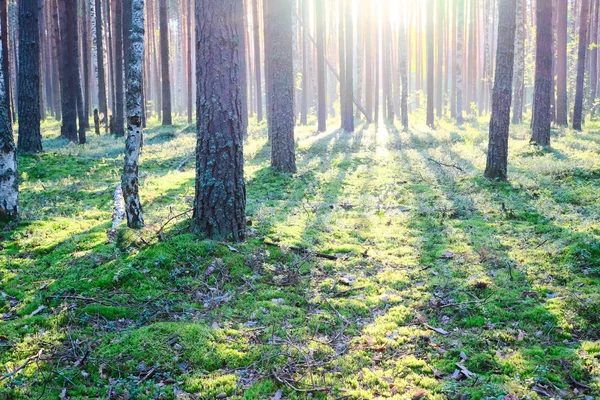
(497, 159)
(439, 97)
(430, 62)
(459, 59)
(220, 197)
(322, 88)
(519, 65)
(135, 107)
(119, 120)
(9, 185)
(305, 78)
(281, 117)
(403, 74)
(583, 26)
(5, 52)
(163, 17)
(561, 79)
(102, 98)
(85, 57)
(28, 96)
(543, 74)
(348, 114)
(257, 63)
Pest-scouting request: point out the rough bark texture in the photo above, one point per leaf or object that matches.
(497, 159)
(322, 89)
(439, 96)
(220, 199)
(5, 51)
(430, 62)
(85, 58)
(135, 107)
(583, 27)
(460, 26)
(9, 187)
(305, 78)
(542, 91)
(519, 66)
(561, 78)
(28, 96)
(119, 119)
(102, 99)
(68, 81)
(163, 17)
(281, 122)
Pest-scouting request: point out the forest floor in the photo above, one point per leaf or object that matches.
(420, 279)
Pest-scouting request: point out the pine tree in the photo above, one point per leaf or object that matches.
(9, 185)
(583, 28)
(322, 89)
(163, 17)
(220, 196)
(543, 74)
(459, 56)
(430, 62)
(28, 96)
(497, 159)
(561, 79)
(519, 65)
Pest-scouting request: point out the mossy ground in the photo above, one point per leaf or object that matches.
(510, 271)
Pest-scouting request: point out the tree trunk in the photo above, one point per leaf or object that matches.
(348, 115)
(387, 63)
(102, 99)
(430, 62)
(220, 197)
(68, 79)
(583, 26)
(85, 57)
(497, 159)
(9, 185)
(135, 107)
(5, 52)
(403, 74)
(519, 65)
(119, 119)
(163, 17)
(543, 74)
(322, 87)
(257, 63)
(304, 106)
(190, 79)
(439, 97)
(342, 60)
(281, 117)
(459, 59)
(28, 96)
(369, 62)
(561, 83)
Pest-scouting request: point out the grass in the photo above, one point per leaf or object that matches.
(509, 271)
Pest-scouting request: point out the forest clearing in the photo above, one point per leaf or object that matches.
(299, 199)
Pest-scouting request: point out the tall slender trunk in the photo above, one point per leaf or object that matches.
(403, 74)
(85, 57)
(430, 61)
(561, 82)
(102, 98)
(543, 74)
(190, 79)
(578, 108)
(163, 17)
(322, 88)
(28, 96)
(5, 52)
(135, 107)
(439, 96)
(348, 115)
(497, 159)
(119, 118)
(257, 63)
(459, 60)
(519, 65)
(9, 184)
(305, 78)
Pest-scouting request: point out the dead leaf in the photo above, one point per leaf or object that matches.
(277, 395)
(348, 279)
(438, 330)
(541, 390)
(448, 254)
(521, 336)
(465, 371)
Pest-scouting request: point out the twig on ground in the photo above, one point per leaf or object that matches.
(160, 231)
(303, 251)
(29, 359)
(446, 165)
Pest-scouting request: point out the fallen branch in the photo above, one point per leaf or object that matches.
(118, 213)
(302, 251)
(446, 165)
(287, 382)
(160, 231)
(29, 359)
(343, 292)
(184, 161)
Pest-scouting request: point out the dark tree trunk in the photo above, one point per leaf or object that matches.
(9, 185)
(135, 107)
(119, 119)
(322, 88)
(519, 65)
(430, 62)
(127, 20)
(561, 81)
(28, 96)
(164, 58)
(543, 74)
(102, 99)
(583, 26)
(5, 52)
(497, 159)
(281, 122)
(257, 63)
(220, 199)
(348, 114)
(68, 82)
(190, 107)
(85, 63)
